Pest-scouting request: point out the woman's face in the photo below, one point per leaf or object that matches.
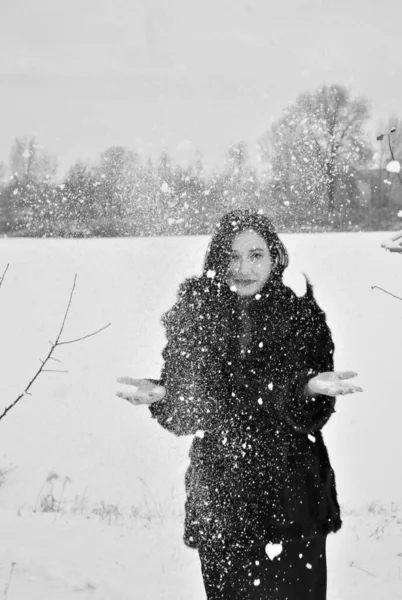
(250, 264)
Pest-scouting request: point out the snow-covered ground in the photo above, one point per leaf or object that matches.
(113, 478)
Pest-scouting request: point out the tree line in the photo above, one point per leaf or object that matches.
(317, 171)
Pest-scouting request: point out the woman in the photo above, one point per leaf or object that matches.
(248, 372)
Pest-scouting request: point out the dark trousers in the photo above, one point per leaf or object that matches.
(298, 573)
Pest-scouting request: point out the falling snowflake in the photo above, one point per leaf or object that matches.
(273, 550)
(257, 582)
(394, 166)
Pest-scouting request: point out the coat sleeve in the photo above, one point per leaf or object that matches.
(312, 353)
(193, 401)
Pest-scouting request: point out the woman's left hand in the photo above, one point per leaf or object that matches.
(332, 383)
(393, 243)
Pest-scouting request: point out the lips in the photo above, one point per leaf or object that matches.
(244, 281)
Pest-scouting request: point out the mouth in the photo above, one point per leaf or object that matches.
(244, 282)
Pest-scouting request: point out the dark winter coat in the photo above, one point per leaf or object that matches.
(259, 469)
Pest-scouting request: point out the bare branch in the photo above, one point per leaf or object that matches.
(67, 310)
(376, 287)
(4, 274)
(53, 346)
(380, 138)
(352, 564)
(392, 154)
(8, 583)
(14, 403)
(83, 337)
(26, 391)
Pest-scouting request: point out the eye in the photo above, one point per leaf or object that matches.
(257, 255)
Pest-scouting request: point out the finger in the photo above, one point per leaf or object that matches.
(392, 246)
(396, 236)
(157, 392)
(123, 395)
(129, 381)
(352, 389)
(333, 392)
(356, 388)
(132, 399)
(338, 389)
(345, 374)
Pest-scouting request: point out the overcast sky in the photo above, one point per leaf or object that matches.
(84, 75)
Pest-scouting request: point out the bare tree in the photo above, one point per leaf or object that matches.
(157, 21)
(30, 163)
(29, 197)
(3, 175)
(238, 179)
(316, 147)
(117, 173)
(53, 345)
(78, 193)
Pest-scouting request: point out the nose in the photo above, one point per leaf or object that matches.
(244, 268)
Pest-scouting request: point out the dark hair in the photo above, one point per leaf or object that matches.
(220, 247)
(207, 310)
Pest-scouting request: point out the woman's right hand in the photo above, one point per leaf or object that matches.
(144, 392)
(332, 383)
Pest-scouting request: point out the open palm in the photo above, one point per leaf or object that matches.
(143, 392)
(333, 383)
(394, 242)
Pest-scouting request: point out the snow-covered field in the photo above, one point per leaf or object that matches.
(112, 478)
